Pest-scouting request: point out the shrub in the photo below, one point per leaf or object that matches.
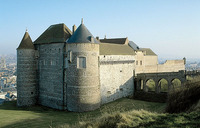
(184, 98)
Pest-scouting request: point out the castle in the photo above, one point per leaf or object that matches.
(72, 70)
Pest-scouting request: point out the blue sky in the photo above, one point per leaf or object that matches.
(171, 28)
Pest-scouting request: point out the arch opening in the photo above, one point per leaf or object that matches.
(163, 85)
(175, 83)
(150, 85)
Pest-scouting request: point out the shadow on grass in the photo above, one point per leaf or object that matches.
(40, 116)
(34, 116)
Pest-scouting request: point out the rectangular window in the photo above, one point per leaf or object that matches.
(81, 62)
(136, 62)
(69, 56)
(140, 62)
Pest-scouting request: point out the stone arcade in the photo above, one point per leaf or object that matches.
(74, 71)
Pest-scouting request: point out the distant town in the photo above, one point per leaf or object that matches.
(8, 68)
(8, 75)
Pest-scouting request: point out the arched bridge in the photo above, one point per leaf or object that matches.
(142, 79)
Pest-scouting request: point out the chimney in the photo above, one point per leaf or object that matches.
(73, 28)
(97, 38)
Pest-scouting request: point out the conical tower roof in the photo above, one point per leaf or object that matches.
(82, 35)
(26, 42)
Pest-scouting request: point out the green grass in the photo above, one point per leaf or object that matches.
(43, 117)
(122, 113)
(183, 104)
(145, 119)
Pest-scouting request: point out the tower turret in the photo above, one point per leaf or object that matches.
(82, 71)
(26, 72)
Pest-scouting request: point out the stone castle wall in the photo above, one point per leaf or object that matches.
(168, 66)
(50, 72)
(144, 61)
(171, 66)
(83, 88)
(26, 77)
(116, 77)
(149, 64)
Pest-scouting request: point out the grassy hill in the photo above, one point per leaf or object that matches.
(182, 110)
(121, 113)
(144, 119)
(42, 117)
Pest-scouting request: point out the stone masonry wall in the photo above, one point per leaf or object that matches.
(26, 77)
(50, 69)
(149, 65)
(171, 66)
(116, 77)
(83, 88)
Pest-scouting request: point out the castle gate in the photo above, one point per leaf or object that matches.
(142, 80)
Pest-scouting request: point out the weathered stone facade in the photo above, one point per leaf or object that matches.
(116, 77)
(83, 88)
(50, 74)
(149, 64)
(78, 72)
(26, 80)
(26, 73)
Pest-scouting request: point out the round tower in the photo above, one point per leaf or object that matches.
(26, 72)
(82, 72)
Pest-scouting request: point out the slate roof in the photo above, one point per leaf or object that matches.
(149, 52)
(54, 34)
(133, 45)
(82, 35)
(115, 49)
(26, 42)
(114, 40)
